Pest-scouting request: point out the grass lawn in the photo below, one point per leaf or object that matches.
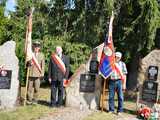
(29, 112)
(26, 113)
(129, 113)
(33, 112)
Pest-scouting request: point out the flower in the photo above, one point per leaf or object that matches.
(144, 112)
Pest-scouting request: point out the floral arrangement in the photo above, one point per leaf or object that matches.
(145, 112)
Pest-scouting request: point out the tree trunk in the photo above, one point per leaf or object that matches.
(132, 81)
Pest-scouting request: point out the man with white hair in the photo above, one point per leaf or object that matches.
(58, 73)
(116, 83)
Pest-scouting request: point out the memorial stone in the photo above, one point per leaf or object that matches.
(9, 83)
(148, 70)
(77, 93)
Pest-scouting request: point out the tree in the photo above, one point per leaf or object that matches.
(4, 24)
(135, 31)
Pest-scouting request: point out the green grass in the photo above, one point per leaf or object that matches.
(29, 112)
(33, 112)
(129, 112)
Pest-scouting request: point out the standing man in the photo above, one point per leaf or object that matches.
(35, 75)
(117, 83)
(58, 72)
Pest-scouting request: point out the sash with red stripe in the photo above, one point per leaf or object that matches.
(119, 71)
(58, 61)
(36, 64)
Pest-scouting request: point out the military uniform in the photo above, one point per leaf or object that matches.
(35, 76)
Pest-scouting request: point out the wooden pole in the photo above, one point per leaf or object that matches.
(103, 94)
(26, 89)
(28, 31)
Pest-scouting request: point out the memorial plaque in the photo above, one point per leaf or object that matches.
(150, 91)
(5, 79)
(152, 73)
(93, 66)
(87, 82)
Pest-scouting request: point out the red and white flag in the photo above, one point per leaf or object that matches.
(28, 44)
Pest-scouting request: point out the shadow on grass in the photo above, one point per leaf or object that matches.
(133, 112)
(43, 102)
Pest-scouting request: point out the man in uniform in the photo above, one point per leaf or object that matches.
(35, 75)
(58, 72)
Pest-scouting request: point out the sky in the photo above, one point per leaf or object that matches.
(10, 5)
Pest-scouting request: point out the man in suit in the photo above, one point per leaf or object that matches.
(58, 72)
(35, 75)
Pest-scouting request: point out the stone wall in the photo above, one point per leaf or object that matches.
(9, 61)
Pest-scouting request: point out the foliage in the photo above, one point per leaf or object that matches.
(83, 28)
(4, 25)
(77, 52)
(136, 27)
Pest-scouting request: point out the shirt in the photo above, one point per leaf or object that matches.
(115, 75)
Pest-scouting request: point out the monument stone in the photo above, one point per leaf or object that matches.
(9, 83)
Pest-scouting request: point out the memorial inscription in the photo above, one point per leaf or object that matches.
(152, 73)
(87, 82)
(94, 66)
(149, 92)
(5, 79)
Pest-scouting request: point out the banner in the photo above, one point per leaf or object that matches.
(28, 44)
(107, 59)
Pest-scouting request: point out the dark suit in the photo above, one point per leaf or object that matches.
(57, 77)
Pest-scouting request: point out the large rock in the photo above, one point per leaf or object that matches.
(8, 59)
(74, 97)
(152, 59)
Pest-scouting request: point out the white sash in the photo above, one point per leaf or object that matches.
(59, 62)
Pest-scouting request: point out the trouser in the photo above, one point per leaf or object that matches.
(57, 91)
(115, 85)
(33, 88)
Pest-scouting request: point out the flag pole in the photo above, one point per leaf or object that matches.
(26, 88)
(29, 29)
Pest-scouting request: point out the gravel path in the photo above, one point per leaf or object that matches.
(67, 113)
(70, 113)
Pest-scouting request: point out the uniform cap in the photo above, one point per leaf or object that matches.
(36, 44)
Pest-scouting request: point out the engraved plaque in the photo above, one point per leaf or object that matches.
(152, 73)
(87, 82)
(5, 79)
(150, 91)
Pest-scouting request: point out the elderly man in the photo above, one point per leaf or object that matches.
(34, 74)
(116, 83)
(58, 72)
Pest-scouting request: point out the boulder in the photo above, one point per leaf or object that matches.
(9, 61)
